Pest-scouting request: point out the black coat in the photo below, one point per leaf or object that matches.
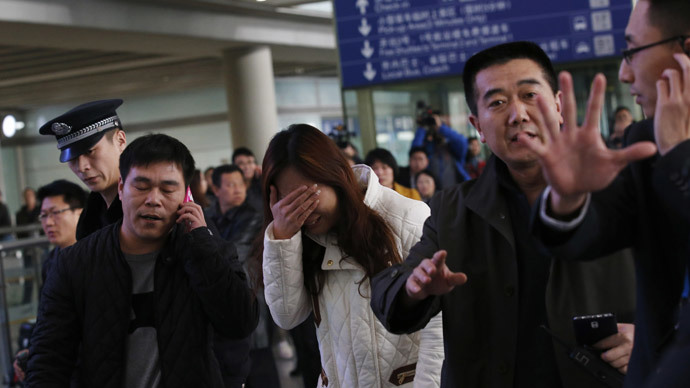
(86, 305)
(630, 212)
(672, 182)
(472, 223)
(97, 214)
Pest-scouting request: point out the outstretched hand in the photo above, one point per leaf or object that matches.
(433, 277)
(672, 113)
(575, 159)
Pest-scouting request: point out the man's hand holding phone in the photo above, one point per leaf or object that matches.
(617, 348)
(190, 214)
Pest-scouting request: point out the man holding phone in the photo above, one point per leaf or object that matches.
(645, 203)
(477, 262)
(101, 303)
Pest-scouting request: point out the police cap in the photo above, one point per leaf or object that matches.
(78, 130)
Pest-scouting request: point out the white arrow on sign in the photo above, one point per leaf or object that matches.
(367, 50)
(364, 28)
(362, 5)
(369, 73)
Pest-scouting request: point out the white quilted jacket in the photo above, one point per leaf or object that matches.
(356, 350)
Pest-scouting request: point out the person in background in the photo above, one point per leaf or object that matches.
(328, 229)
(208, 174)
(5, 220)
(383, 163)
(60, 204)
(244, 158)
(622, 118)
(418, 162)
(138, 300)
(474, 165)
(247, 361)
(198, 187)
(350, 151)
(91, 139)
(427, 185)
(445, 148)
(28, 214)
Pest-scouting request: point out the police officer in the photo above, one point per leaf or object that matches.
(91, 139)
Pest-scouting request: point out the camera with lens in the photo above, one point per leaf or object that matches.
(426, 118)
(340, 134)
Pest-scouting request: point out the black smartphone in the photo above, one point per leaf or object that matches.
(590, 329)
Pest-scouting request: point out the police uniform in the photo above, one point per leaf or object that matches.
(77, 131)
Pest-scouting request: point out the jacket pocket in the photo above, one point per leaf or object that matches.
(403, 375)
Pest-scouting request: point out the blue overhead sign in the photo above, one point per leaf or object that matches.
(384, 41)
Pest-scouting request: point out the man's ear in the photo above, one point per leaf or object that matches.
(475, 122)
(120, 140)
(120, 187)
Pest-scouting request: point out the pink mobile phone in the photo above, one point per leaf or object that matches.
(188, 195)
(188, 198)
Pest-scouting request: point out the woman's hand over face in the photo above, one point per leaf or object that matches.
(291, 211)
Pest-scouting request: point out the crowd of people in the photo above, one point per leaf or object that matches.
(453, 271)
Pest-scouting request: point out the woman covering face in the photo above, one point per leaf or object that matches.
(329, 228)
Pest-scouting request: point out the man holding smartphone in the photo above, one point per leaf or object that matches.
(91, 139)
(644, 204)
(477, 262)
(101, 303)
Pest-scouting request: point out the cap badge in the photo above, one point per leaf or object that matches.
(60, 128)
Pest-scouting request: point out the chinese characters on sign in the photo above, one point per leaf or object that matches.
(397, 40)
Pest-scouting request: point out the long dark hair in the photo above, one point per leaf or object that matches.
(362, 233)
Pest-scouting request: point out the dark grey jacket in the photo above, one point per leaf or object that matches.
(472, 222)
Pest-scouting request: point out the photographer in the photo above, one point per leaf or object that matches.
(445, 148)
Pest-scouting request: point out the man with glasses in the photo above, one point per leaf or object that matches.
(91, 139)
(61, 203)
(644, 204)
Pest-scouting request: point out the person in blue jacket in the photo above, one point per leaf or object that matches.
(445, 148)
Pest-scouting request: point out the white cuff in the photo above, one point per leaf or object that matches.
(562, 226)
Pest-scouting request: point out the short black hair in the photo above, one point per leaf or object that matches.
(670, 17)
(384, 156)
(218, 172)
(71, 193)
(155, 148)
(242, 151)
(429, 173)
(620, 109)
(415, 150)
(499, 55)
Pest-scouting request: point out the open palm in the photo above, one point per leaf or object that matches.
(574, 159)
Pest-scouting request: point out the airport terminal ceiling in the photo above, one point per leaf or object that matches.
(44, 62)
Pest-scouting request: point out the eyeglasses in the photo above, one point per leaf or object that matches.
(628, 54)
(54, 214)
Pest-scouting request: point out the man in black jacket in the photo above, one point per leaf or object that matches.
(91, 139)
(645, 206)
(492, 324)
(139, 300)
